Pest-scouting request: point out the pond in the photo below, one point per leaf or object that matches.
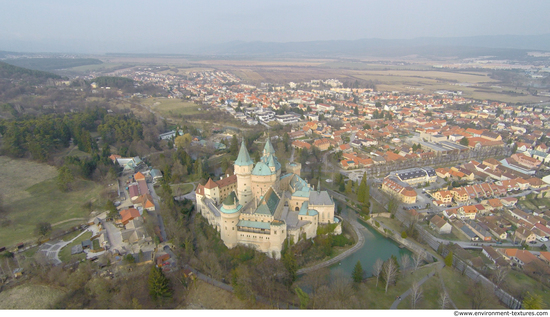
(375, 246)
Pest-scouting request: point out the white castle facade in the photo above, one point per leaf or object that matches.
(259, 208)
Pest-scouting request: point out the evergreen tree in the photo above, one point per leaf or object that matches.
(64, 178)
(303, 297)
(361, 189)
(532, 301)
(234, 148)
(291, 266)
(357, 274)
(159, 285)
(449, 259)
(348, 187)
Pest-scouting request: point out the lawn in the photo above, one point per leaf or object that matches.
(517, 283)
(376, 297)
(172, 107)
(44, 202)
(30, 296)
(19, 174)
(65, 253)
(181, 189)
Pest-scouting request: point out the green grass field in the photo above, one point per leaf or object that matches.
(181, 189)
(65, 253)
(517, 282)
(30, 296)
(44, 202)
(174, 108)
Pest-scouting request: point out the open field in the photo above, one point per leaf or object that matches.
(30, 296)
(171, 107)
(44, 202)
(205, 296)
(181, 189)
(65, 253)
(18, 174)
(517, 282)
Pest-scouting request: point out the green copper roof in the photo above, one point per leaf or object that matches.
(243, 159)
(268, 147)
(230, 199)
(230, 211)
(261, 169)
(268, 204)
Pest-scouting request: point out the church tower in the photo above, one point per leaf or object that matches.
(243, 170)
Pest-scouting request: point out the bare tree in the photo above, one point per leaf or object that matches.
(389, 272)
(443, 299)
(377, 269)
(405, 261)
(416, 294)
(418, 257)
(499, 275)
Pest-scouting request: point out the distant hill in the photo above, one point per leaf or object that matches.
(503, 46)
(49, 64)
(8, 71)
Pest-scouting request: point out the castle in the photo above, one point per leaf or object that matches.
(259, 208)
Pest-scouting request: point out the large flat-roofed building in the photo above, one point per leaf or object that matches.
(415, 176)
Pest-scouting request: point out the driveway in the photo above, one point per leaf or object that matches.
(50, 250)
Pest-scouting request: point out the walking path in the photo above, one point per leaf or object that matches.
(68, 220)
(361, 240)
(444, 288)
(51, 250)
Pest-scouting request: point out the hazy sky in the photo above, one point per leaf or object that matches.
(119, 26)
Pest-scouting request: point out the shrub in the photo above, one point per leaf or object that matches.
(404, 235)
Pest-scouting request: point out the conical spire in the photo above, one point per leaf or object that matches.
(268, 149)
(243, 159)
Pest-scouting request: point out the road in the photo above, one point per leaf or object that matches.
(156, 213)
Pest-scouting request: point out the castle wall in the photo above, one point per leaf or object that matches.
(326, 212)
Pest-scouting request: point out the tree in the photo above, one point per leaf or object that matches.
(377, 269)
(303, 297)
(357, 274)
(361, 189)
(449, 259)
(416, 294)
(405, 261)
(110, 206)
(183, 141)
(159, 285)
(532, 301)
(464, 141)
(390, 271)
(348, 187)
(290, 264)
(418, 257)
(234, 147)
(443, 299)
(499, 275)
(64, 178)
(43, 228)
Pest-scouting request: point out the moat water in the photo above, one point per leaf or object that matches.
(375, 246)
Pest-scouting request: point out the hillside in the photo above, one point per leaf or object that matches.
(12, 72)
(49, 64)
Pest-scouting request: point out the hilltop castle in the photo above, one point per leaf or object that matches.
(259, 208)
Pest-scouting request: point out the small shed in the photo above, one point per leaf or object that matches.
(86, 244)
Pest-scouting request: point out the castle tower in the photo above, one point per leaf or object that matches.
(293, 168)
(268, 148)
(229, 212)
(243, 170)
